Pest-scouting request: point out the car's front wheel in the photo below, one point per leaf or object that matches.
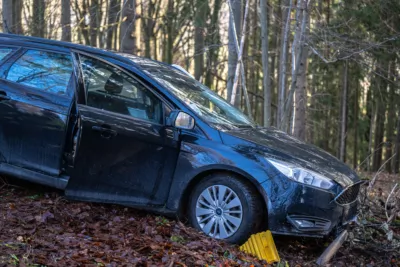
(225, 207)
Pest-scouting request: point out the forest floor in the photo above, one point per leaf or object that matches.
(38, 227)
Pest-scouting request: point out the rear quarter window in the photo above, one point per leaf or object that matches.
(45, 71)
(4, 52)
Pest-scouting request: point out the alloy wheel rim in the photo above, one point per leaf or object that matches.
(219, 211)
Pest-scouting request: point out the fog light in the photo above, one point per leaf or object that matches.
(309, 223)
(304, 223)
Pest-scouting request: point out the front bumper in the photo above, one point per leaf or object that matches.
(297, 209)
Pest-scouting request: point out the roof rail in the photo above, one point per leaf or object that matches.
(182, 69)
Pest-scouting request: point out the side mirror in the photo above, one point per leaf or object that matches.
(181, 120)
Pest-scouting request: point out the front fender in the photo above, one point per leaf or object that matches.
(201, 156)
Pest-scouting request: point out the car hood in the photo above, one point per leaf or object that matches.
(277, 144)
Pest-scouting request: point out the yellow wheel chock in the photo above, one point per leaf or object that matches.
(262, 246)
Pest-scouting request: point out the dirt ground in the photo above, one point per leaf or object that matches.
(38, 227)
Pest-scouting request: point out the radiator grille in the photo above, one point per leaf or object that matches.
(349, 195)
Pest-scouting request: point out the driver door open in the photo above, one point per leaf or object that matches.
(126, 155)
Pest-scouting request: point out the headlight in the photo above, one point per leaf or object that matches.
(302, 175)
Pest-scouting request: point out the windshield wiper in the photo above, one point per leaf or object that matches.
(244, 126)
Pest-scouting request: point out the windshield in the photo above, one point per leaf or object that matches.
(198, 97)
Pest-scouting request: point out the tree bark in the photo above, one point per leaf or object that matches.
(12, 10)
(7, 10)
(170, 32)
(254, 45)
(151, 8)
(372, 122)
(83, 25)
(17, 17)
(343, 114)
(380, 98)
(94, 25)
(235, 19)
(66, 20)
(114, 7)
(396, 159)
(299, 117)
(265, 62)
(283, 59)
(355, 126)
(391, 118)
(298, 50)
(127, 31)
(274, 72)
(213, 43)
(200, 26)
(378, 138)
(38, 25)
(239, 70)
(235, 98)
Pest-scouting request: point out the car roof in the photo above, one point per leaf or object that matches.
(124, 57)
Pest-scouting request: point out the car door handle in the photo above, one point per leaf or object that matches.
(105, 132)
(4, 96)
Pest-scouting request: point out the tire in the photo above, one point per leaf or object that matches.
(249, 212)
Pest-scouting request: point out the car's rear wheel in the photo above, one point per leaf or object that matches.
(225, 207)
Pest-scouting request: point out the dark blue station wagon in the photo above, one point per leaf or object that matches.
(116, 128)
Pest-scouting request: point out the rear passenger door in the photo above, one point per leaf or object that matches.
(36, 93)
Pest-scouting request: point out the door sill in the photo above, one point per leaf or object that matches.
(35, 177)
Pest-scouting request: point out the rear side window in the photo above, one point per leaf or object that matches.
(4, 52)
(46, 71)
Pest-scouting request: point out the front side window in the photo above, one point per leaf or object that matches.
(4, 52)
(46, 71)
(110, 89)
(199, 98)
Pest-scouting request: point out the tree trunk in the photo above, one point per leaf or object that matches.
(299, 129)
(66, 20)
(254, 47)
(213, 43)
(274, 73)
(265, 62)
(343, 114)
(127, 31)
(235, 19)
(236, 96)
(327, 127)
(94, 16)
(391, 118)
(200, 26)
(286, 11)
(298, 47)
(372, 122)
(38, 25)
(380, 99)
(295, 67)
(83, 25)
(12, 10)
(7, 10)
(151, 8)
(355, 126)
(170, 32)
(378, 138)
(396, 159)
(113, 8)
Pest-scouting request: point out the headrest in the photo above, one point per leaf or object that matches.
(114, 84)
